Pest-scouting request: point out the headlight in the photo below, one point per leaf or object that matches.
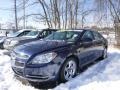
(19, 55)
(14, 42)
(44, 58)
(23, 56)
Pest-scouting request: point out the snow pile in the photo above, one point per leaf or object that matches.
(104, 75)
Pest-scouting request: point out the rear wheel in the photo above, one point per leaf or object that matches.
(69, 70)
(104, 55)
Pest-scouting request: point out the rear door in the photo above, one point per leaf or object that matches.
(86, 54)
(98, 43)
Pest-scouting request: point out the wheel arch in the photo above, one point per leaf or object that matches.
(75, 57)
(70, 56)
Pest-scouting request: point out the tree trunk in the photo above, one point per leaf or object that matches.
(24, 16)
(117, 31)
(66, 14)
(116, 21)
(76, 14)
(46, 16)
(15, 11)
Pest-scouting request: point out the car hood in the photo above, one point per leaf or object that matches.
(39, 46)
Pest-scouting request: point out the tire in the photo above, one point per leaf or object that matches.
(34, 84)
(68, 70)
(104, 55)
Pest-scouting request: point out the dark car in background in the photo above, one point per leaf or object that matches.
(59, 56)
(15, 34)
(33, 35)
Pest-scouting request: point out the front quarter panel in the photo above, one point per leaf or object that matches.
(65, 52)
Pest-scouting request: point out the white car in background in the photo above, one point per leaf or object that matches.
(15, 34)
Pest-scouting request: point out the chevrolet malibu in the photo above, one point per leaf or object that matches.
(59, 56)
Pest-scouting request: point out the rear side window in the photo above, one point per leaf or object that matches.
(88, 34)
(49, 32)
(97, 36)
(52, 31)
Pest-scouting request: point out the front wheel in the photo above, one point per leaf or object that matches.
(69, 70)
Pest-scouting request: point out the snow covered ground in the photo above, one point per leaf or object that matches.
(110, 37)
(104, 75)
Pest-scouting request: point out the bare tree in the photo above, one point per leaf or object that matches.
(15, 11)
(113, 8)
(45, 12)
(24, 18)
(116, 15)
(61, 13)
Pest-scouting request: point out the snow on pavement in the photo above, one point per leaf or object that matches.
(104, 75)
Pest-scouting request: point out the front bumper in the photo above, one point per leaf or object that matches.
(36, 79)
(37, 74)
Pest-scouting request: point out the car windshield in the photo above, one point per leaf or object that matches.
(14, 34)
(69, 36)
(32, 34)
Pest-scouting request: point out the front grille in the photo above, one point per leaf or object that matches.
(37, 77)
(19, 64)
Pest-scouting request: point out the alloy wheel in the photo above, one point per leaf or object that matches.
(70, 70)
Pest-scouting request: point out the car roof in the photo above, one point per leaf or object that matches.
(76, 30)
(67, 29)
(47, 29)
(88, 30)
(22, 30)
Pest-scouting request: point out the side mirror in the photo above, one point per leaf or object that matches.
(87, 40)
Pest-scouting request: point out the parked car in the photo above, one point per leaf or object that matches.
(59, 56)
(16, 34)
(33, 35)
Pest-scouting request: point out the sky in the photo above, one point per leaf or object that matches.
(5, 15)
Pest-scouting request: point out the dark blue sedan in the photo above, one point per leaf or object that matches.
(59, 56)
